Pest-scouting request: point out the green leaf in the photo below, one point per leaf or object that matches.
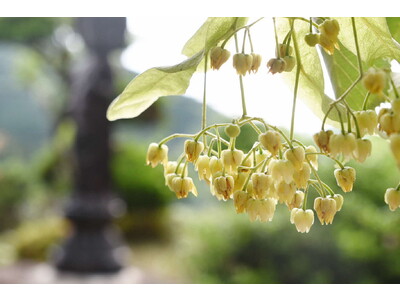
(147, 87)
(394, 27)
(211, 33)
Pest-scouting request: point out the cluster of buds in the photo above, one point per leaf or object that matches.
(283, 62)
(246, 63)
(327, 37)
(273, 171)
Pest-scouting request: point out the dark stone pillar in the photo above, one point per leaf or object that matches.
(94, 245)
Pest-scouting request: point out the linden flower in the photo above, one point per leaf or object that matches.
(301, 177)
(362, 150)
(296, 201)
(374, 80)
(193, 150)
(216, 165)
(322, 139)
(326, 209)
(261, 185)
(282, 170)
(242, 63)
(276, 65)
(328, 44)
(344, 144)
(256, 62)
(231, 160)
(296, 156)
(168, 180)
(339, 201)
(395, 146)
(283, 50)
(182, 187)
(367, 121)
(271, 140)
(262, 210)
(330, 28)
(303, 219)
(313, 158)
(218, 57)
(345, 178)
(389, 122)
(392, 198)
(232, 130)
(285, 191)
(223, 187)
(157, 154)
(203, 168)
(395, 105)
(240, 199)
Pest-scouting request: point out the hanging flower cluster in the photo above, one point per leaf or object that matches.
(279, 169)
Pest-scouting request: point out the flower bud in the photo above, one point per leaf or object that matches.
(374, 80)
(281, 170)
(182, 187)
(157, 154)
(322, 139)
(311, 39)
(290, 62)
(392, 198)
(296, 201)
(193, 150)
(395, 146)
(362, 150)
(326, 209)
(367, 121)
(232, 160)
(301, 177)
(270, 140)
(276, 65)
(285, 191)
(223, 187)
(232, 130)
(313, 158)
(261, 184)
(255, 63)
(202, 166)
(339, 201)
(242, 63)
(262, 210)
(345, 178)
(240, 199)
(281, 50)
(218, 57)
(216, 165)
(249, 188)
(303, 219)
(296, 156)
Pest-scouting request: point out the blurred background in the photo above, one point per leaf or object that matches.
(78, 204)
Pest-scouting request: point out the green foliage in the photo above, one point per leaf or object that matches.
(139, 186)
(394, 27)
(149, 86)
(27, 30)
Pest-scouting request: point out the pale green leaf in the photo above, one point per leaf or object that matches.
(374, 39)
(394, 27)
(147, 87)
(211, 33)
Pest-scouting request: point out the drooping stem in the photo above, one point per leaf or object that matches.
(244, 109)
(204, 114)
(364, 107)
(353, 22)
(296, 84)
(276, 40)
(396, 93)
